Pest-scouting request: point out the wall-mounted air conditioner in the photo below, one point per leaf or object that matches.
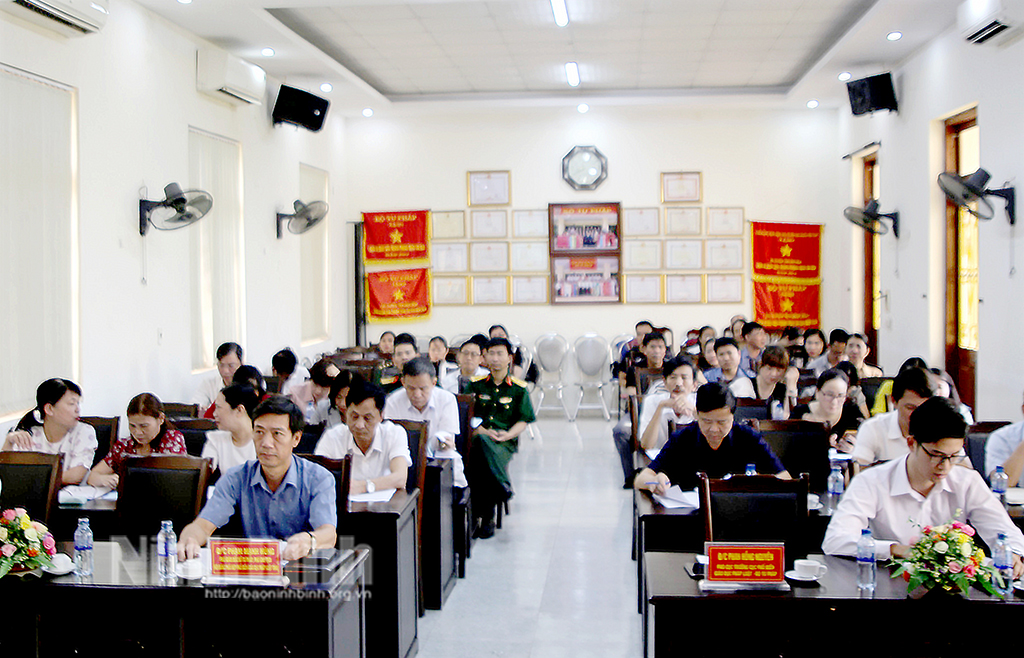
(990, 22)
(227, 77)
(69, 17)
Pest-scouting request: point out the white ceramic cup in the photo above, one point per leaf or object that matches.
(809, 568)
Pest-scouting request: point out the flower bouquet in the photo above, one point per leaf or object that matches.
(24, 544)
(946, 558)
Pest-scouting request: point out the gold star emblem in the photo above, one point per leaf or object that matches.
(786, 250)
(396, 236)
(787, 305)
(398, 296)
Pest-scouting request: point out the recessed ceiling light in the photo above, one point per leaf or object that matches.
(811, 104)
(267, 52)
(894, 36)
(844, 76)
(572, 74)
(560, 13)
(327, 87)
(583, 108)
(185, 2)
(367, 112)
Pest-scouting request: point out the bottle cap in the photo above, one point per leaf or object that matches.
(865, 531)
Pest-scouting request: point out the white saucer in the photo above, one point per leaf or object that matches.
(1019, 585)
(793, 575)
(813, 502)
(62, 565)
(190, 569)
(1015, 496)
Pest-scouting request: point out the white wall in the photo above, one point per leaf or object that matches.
(944, 78)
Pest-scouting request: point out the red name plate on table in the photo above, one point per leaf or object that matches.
(745, 563)
(245, 557)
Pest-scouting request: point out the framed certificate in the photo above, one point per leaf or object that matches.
(529, 223)
(490, 290)
(529, 290)
(724, 254)
(722, 288)
(682, 221)
(530, 257)
(451, 290)
(641, 255)
(725, 221)
(680, 186)
(488, 188)
(488, 257)
(684, 254)
(640, 221)
(489, 223)
(448, 225)
(449, 257)
(643, 288)
(684, 288)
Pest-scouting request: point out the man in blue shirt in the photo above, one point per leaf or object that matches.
(277, 494)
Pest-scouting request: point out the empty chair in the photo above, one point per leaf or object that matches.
(977, 439)
(194, 430)
(462, 510)
(157, 488)
(178, 410)
(31, 480)
(592, 361)
(802, 447)
(870, 385)
(750, 409)
(551, 355)
(106, 432)
(341, 469)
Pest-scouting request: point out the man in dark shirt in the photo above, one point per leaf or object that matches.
(712, 445)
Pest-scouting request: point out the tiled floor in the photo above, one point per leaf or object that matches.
(557, 579)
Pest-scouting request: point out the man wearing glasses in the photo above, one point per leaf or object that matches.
(928, 486)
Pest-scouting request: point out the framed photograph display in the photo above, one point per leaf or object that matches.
(488, 257)
(643, 288)
(724, 254)
(529, 223)
(584, 227)
(641, 255)
(684, 288)
(448, 225)
(682, 221)
(489, 188)
(725, 221)
(684, 254)
(488, 223)
(680, 186)
(449, 257)
(640, 221)
(585, 279)
(530, 290)
(722, 288)
(530, 257)
(451, 290)
(490, 290)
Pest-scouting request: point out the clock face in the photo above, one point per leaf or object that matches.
(584, 168)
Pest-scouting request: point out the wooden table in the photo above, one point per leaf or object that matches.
(437, 544)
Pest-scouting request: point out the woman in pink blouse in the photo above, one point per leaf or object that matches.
(151, 434)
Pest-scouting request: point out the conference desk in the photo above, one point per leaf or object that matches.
(439, 567)
(126, 609)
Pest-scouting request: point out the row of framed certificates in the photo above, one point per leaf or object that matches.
(723, 288)
(494, 188)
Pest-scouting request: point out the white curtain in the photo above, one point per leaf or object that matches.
(215, 166)
(313, 252)
(37, 259)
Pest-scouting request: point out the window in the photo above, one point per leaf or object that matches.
(38, 246)
(313, 253)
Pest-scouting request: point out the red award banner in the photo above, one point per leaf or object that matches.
(393, 236)
(745, 563)
(245, 557)
(787, 274)
(398, 294)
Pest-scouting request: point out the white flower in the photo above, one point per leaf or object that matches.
(965, 549)
(31, 534)
(941, 547)
(3, 534)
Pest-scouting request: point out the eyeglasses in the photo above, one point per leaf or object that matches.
(938, 458)
(833, 396)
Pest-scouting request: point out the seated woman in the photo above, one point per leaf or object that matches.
(774, 381)
(830, 406)
(231, 443)
(339, 391)
(53, 427)
(151, 434)
(857, 350)
(854, 394)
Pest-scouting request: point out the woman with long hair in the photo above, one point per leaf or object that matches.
(150, 433)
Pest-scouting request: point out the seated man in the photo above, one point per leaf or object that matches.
(1005, 447)
(318, 391)
(405, 350)
(229, 359)
(380, 450)
(653, 351)
(833, 354)
(630, 353)
(728, 354)
(755, 339)
(925, 487)
(672, 400)
(504, 410)
(470, 358)
(884, 437)
(420, 399)
(712, 445)
(277, 494)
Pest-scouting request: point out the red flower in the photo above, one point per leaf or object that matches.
(969, 571)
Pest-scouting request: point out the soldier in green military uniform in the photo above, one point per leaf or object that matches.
(504, 409)
(389, 377)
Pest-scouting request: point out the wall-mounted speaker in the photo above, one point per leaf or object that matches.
(300, 108)
(872, 94)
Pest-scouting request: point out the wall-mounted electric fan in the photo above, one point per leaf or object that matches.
(869, 219)
(964, 191)
(305, 217)
(177, 210)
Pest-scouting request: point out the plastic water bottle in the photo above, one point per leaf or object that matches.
(999, 482)
(835, 489)
(83, 548)
(166, 550)
(866, 561)
(751, 469)
(310, 410)
(1002, 556)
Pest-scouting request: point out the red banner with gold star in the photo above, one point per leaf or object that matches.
(394, 236)
(398, 294)
(787, 274)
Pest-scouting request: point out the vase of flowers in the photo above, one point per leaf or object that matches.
(946, 559)
(25, 545)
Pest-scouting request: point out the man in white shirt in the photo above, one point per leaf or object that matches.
(1005, 447)
(470, 360)
(834, 353)
(229, 359)
(884, 437)
(673, 399)
(380, 450)
(420, 399)
(755, 339)
(926, 487)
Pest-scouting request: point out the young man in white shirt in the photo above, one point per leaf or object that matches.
(1005, 447)
(470, 358)
(728, 354)
(673, 399)
(884, 437)
(834, 353)
(928, 486)
(229, 359)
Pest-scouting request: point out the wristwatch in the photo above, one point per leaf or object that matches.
(370, 486)
(312, 541)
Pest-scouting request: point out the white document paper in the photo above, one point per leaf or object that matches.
(381, 496)
(677, 498)
(83, 493)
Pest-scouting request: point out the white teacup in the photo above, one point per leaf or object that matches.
(809, 568)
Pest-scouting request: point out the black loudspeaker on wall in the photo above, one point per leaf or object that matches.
(301, 108)
(871, 94)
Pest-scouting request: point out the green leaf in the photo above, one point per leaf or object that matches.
(5, 566)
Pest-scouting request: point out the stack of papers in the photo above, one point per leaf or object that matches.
(381, 496)
(676, 498)
(75, 494)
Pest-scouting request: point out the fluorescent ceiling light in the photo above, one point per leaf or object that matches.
(583, 108)
(811, 104)
(185, 2)
(560, 13)
(894, 36)
(367, 112)
(267, 52)
(572, 74)
(327, 87)
(844, 76)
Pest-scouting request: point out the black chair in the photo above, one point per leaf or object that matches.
(870, 385)
(977, 439)
(341, 469)
(310, 437)
(645, 378)
(273, 383)
(106, 432)
(180, 410)
(750, 409)
(802, 447)
(194, 430)
(416, 431)
(462, 509)
(157, 488)
(31, 480)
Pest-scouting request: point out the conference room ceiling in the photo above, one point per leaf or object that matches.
(385, 53)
